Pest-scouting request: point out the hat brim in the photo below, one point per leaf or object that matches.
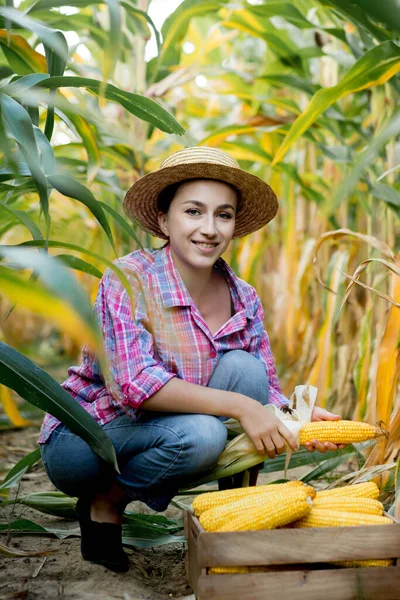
(258, 201)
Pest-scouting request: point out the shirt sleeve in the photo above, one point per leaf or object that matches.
(261, 349)
(136, 372)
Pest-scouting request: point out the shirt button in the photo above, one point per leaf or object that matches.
(213, 354)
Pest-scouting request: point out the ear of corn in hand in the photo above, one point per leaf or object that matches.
(260, 511)
(211, 499)
(367, 489)
(319, 517)
(338, 432)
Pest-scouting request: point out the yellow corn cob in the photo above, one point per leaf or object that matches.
(384, 562)
(210, 499)
(373, 562)
(232, 570)
(319, 517)
(337, 432)
(368, 489)
(366, 506)
(259, 511)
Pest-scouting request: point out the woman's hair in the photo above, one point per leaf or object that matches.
(166, 195)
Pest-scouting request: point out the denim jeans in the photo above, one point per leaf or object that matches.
(157, 452)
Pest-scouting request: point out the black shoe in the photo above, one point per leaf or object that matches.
(101, 543)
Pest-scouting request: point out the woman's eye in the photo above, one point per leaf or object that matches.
(226, 215)
(193, 211)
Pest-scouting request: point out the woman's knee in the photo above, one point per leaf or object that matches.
(241, 372)
(204, 442)
(72, 466)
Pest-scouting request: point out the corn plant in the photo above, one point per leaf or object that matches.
(302, 94)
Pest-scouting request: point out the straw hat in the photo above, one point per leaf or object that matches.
(258, 203)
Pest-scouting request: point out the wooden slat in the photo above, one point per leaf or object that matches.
(292, 546)
(193, 570)
(337, 584)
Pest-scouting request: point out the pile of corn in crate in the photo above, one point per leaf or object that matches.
(288, 539)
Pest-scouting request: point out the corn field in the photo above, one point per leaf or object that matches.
(303, 94)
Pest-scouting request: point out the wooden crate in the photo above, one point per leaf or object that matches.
(302, 555)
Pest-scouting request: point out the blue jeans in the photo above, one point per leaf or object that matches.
(157, 452)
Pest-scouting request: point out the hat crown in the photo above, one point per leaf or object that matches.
(200, 154)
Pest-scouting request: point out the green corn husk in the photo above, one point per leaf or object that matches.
(56, 504)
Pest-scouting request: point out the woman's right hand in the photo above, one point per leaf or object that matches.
(266, 431)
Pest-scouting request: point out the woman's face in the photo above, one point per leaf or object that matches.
(200, 222)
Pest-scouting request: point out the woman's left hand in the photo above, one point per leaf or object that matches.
(321, 414)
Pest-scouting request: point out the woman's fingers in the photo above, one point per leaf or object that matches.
(288, 436)
(279, 443)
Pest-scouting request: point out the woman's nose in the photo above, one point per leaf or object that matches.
(208, 226)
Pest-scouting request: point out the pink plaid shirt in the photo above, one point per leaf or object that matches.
(167, 337)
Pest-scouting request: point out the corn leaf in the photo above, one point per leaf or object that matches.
(38, 388)
(375, 67)
(53, 244)
(21, 57)
(78, 264)
(20, 127)
(15, 474)
(140, 106)
(67, 185)
(144, 531)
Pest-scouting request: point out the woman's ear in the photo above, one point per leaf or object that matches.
(162, 221)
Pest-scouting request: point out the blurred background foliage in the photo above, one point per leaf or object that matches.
(303, 94)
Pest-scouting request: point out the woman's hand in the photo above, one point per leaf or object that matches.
(320, 414)
(266, 431)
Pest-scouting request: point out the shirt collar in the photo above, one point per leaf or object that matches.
(174, 291)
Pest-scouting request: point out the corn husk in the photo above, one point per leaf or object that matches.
(301, 403)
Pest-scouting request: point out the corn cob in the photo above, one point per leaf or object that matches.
(368, 489)
(366, 506)
(373, 562)
(259, 511)
(209, 500)
(337, 432)
(319, 517)
(376, 562)
(222, 570)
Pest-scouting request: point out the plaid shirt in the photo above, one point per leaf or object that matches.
(167, 337)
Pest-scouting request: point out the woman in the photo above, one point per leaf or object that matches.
(193, 353)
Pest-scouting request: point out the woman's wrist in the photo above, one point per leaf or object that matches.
(239, 404)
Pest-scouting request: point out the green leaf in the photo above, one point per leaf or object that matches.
(125, 226)
(20, 126)
(67, 185)
(54, 244)
(326, 466)
(144, 533)
(38, 388)
(45, 34)
(56, 63)
(24, 218)
(58, 280)
(374, 68)
(389, 130)
(176, 25)
(73, 262)
(84, 131)
(386, 193)
(140, 106)
(281, 9)
(112, 49)
(15, 474)
(21, 57)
